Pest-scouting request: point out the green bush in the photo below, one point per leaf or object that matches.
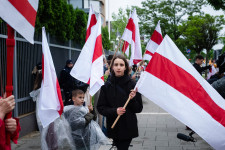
(61, 20)
(105, 38)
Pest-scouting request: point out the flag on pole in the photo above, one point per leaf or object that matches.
(89, 65)
(173, 83)
(50, 102)
(21, 16)
(132, 36)
(212, 71)
(91, 22)
(125, 48)
(153, 43)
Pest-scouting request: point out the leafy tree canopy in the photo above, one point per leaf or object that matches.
(61, 20)
(169, 12)
(217, 4)
(201, 32)
(105, 38)
(119, 23)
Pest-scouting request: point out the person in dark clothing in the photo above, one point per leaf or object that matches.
(69, 83)
(113, 96)
(198, 62)
(219, 84)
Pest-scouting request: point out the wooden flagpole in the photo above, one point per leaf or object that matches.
(118, 117)
(115, 53)
(123, 48)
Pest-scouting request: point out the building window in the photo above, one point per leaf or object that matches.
(76, 3)
(86, 3)
(95, 5)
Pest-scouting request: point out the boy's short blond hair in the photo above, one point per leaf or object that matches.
(77, 92)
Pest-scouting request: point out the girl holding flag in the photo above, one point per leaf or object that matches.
(113, 96)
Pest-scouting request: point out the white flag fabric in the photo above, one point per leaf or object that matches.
(50, 102)
(212, 71)
(126, 45)
(173, 83)
(91, 22)
(153, 43)
(89, 65)
(132, 36)
(20, 15)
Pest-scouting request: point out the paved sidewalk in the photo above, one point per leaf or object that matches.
(157, 131)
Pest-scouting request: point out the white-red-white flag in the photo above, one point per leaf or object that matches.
(153, 43)
(173, 83)
(20, 15)
(89, 65)
(126, 45)
(125, 48)
(91, 22)
(132, 36)
(50, 102)
(212, 71)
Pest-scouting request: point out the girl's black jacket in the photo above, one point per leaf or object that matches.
(114, 94)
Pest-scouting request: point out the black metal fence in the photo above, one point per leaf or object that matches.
(26, 56)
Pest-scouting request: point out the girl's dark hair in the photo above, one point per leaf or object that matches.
(126, 72)
(38, 80)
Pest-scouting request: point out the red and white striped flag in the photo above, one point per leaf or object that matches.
(20, 15)
(173, 83)
(125, 48)
(89, 65)
(132, 36)
(153, 43)
(50, 102)
(91, 22)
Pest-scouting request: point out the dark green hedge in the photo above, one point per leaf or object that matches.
(61, 20)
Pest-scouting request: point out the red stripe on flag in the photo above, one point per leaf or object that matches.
(136, 61)
(25, 9)
(156, 37)
(131, 26)
(98, 48)
(148, 52)
(185, 83)
(92, 23)
(125, 46)
(59, 97)
(88, 81)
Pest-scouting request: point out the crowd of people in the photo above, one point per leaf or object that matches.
(78, 127)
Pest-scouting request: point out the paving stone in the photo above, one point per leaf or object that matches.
(168, 148)
(156, 132)
(156, 143)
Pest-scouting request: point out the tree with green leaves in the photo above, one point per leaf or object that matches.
(201, 32)
(61, 20)
(217, 4)
(80, 26)
(105, 38)
(119, 23)
(170, 13)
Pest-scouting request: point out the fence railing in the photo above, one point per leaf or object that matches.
(26, 56)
